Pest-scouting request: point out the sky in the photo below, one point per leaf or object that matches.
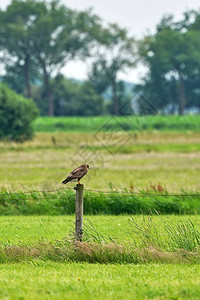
(138, 16)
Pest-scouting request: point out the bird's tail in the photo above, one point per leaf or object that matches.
(66, 181)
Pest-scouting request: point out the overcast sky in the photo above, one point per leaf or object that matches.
(137, 16)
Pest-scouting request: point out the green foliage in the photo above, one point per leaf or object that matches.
(75, 98)
(42, 37)
(172, 57)
(16, 115)
(16, 40)
(116, 56)
(38, 39)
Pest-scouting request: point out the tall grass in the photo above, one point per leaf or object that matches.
(112, 203)
(179, 244)
(181, 236)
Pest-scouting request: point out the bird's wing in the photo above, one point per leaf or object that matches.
(78, 172)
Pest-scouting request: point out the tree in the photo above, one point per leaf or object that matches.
(98, 79)
(41, 37)
(124, 97)
(166, 57)
(117, 55)
(16, 35)
(172, 56)
(76, 98)
(60, 35)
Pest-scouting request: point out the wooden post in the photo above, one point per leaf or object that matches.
(79, 213)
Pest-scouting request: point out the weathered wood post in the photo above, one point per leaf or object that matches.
(79, 212)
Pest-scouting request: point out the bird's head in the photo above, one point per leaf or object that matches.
(86, 166)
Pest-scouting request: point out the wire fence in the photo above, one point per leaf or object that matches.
(101, 194)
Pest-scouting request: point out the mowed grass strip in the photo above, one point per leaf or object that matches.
(106, 123)
(133, 142)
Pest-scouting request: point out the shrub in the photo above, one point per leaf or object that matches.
(16, 115)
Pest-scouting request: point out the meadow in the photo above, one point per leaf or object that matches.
(133, 247)
(37, 261)
(121, 160)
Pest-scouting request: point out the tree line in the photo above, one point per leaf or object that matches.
(173, 59)
(38, 39)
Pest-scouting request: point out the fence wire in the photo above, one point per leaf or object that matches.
(101, 194)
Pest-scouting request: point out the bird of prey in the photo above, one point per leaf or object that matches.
(77, 174)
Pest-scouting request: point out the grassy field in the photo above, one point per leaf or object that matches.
(16, 230)
(53, 279)
(124, 239)
(47, 280)
(147, 162)
(171, 159)
(152, 256)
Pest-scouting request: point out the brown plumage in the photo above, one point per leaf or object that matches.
(77, 174)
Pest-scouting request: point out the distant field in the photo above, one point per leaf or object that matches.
(135, 161)
(131, 123)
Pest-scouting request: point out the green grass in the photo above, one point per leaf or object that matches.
(106, 123)
(52, 276)
(111, 203)
(47, 280)
(133, 240)
(28, 230)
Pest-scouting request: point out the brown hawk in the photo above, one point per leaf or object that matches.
(77, 174)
